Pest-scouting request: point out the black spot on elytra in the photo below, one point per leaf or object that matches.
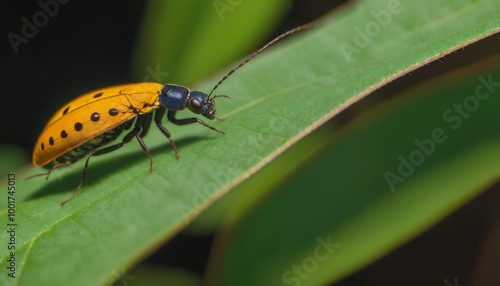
(43, 146)
(64, 134)
(51, 141)
(78, 126)
(98, 95)
(113, 111)
(65, 110)
(95, 117)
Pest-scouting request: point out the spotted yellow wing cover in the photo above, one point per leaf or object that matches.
(92, 114)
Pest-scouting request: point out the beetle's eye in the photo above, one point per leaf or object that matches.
(195, 105)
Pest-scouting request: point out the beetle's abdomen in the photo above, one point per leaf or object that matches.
(82, 150)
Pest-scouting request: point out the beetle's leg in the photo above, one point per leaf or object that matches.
(50, 170)
(136, 132)
(185, 121)
(158, 116)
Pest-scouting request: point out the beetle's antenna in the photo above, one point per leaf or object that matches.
(220, 95)
(278, 38)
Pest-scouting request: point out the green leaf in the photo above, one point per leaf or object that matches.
(383, 180)
(123, 212)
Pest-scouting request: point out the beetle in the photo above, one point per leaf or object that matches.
(86, 125)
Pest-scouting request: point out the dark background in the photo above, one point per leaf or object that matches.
(88, 45)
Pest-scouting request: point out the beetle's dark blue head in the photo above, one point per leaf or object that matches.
(200, 103)
(176, 97)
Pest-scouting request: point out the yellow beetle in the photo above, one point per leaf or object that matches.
(96, 118)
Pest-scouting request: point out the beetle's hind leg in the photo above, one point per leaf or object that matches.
(47, 174)
(137, 132)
